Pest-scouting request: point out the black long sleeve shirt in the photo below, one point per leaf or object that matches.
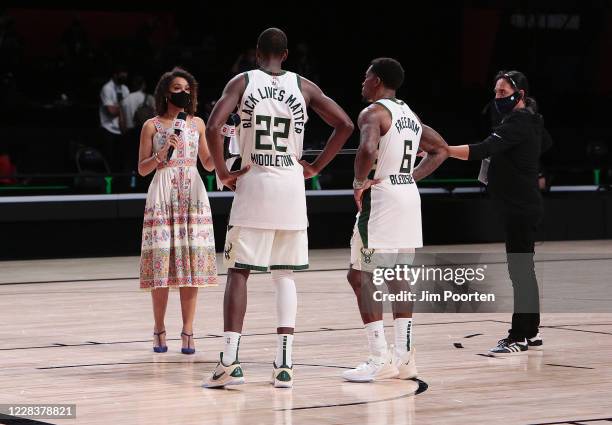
(515, 147)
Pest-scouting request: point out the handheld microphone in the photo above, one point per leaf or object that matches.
(229, 131)
(179, 125)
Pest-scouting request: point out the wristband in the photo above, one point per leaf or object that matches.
(359, 184)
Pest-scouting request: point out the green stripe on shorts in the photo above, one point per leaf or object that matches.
(364, 217)
(286, 267)
(249, 267)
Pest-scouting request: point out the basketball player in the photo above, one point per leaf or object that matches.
(267, 226)
(388, 226)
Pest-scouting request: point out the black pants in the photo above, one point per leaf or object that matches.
(111, 146)
(520, 240)
(130, 146)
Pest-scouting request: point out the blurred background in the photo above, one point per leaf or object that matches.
(54, 62)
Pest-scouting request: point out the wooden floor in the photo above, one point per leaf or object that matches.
(79, 331)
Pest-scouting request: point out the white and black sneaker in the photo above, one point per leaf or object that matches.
(536, 342)
(509, 346)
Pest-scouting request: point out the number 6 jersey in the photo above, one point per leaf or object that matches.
(391, 210)
(272, 119)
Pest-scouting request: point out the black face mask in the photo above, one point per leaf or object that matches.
(180, 99)
(505, 105)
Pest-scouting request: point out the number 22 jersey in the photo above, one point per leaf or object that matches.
(271, 195)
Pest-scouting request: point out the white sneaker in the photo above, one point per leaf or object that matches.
(373, 369)
(282, 377)
(405, 364)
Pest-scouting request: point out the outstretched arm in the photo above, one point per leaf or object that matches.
(334, 116)
(437, 152)
(223, 108)
(505, 136)
(460, 152)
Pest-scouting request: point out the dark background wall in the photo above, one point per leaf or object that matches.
(114, 228)
(55, 59)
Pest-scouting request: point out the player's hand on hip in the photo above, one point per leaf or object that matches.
(358, 193)
(231, 177)
(309, 169)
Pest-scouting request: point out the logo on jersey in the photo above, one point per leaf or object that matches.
(367, 255)
(227, 250)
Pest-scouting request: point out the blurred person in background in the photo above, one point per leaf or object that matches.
(246, 61)
(111, 95)
(305, 63)
(135, 110)
(7, 169)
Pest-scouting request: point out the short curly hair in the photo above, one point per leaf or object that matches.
(163, 87)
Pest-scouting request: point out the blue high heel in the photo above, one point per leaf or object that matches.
(160, 348)
(187, 350)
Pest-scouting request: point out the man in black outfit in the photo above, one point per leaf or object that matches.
(510, 157)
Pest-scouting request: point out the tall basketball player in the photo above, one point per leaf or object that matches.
(267, 226)
(388, 227)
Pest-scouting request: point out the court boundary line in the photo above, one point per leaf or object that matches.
(178, 362)
(300, 271)
(422, 387)
(208, 336)
(138, 277)
(17, 420)
(571, 366)
(323, 329)
(573, 421)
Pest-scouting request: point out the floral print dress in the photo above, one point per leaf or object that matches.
(178, 244)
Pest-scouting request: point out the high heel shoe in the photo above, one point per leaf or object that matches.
(187, 350)
(160, 348)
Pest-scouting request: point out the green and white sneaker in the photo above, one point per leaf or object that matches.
(282, 377)
(225, 375)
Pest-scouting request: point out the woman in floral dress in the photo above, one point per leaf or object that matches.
(178, 246)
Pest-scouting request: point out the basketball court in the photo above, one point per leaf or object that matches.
(78, 331)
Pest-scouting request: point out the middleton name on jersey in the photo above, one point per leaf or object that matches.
(269, 160)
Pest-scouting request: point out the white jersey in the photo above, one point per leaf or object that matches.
(110, 95)
(391, 213)
(272, 117)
